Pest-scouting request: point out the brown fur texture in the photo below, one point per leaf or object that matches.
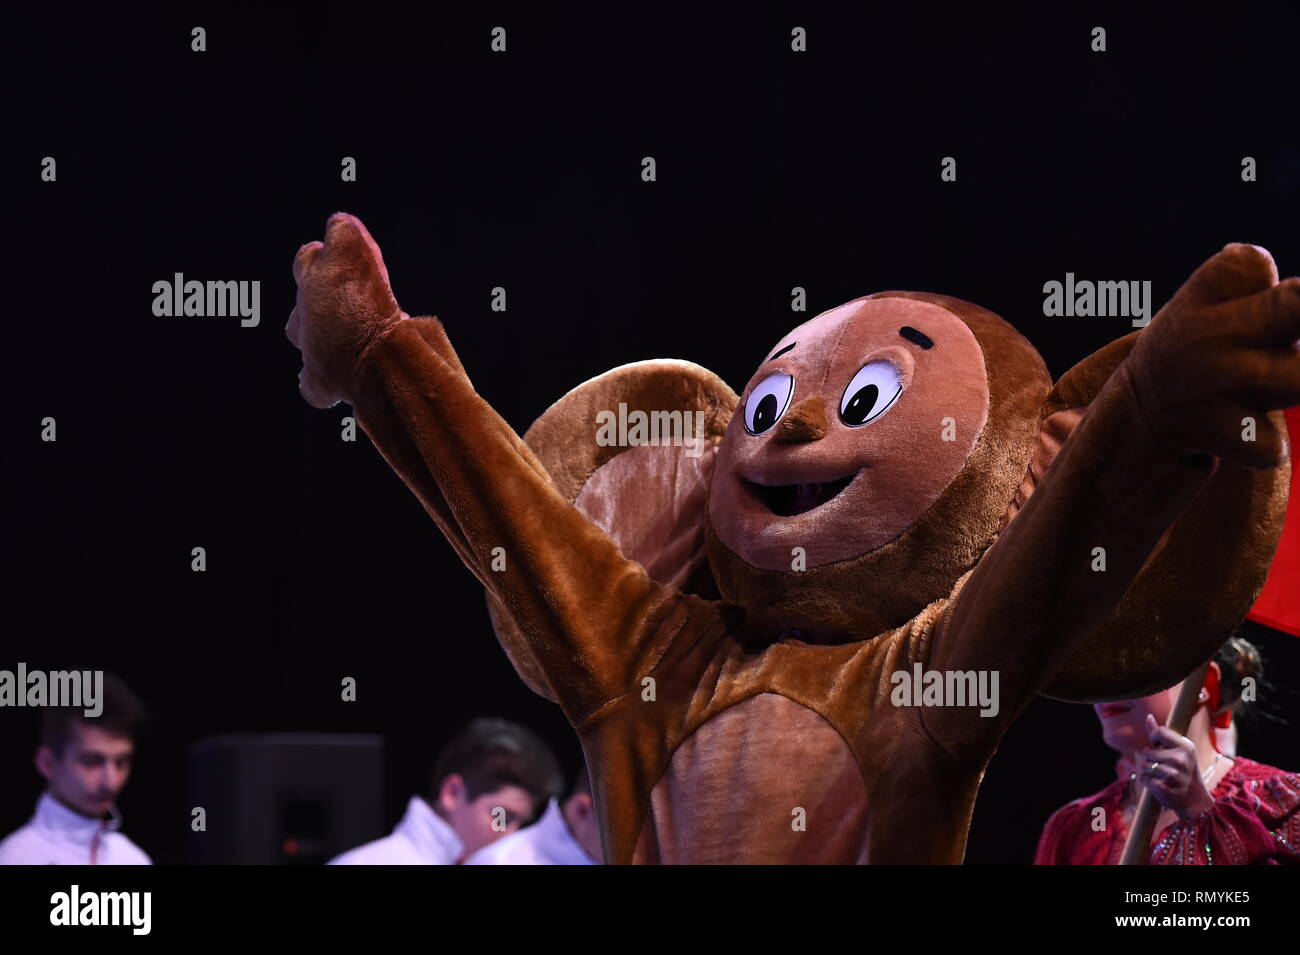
(666, 537)
(784, 691)
(1218, 554)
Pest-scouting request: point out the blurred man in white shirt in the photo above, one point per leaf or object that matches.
(491, 779)
(86, 762)
(567, 834)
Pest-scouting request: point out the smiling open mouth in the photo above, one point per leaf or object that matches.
(787, 500)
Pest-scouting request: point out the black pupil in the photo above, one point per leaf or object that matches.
(765, 415)
(859, 409)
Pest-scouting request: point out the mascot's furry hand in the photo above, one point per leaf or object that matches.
(1219, 355)
(344, 303)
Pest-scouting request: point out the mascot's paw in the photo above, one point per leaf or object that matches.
(344, 302)
(1219, 356)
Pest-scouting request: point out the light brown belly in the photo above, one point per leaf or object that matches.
(766, 781)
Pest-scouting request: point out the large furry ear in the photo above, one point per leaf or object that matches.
(633, 449)
(1199, 583)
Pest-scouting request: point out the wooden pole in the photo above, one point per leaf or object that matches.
(1137, 849)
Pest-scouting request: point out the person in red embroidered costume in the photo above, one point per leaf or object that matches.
(1217, 809)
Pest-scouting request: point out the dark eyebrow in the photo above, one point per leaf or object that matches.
(912, 335)
(782, 351)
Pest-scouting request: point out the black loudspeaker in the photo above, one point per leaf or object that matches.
(283, 798)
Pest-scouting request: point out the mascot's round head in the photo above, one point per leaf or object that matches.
(870, 461)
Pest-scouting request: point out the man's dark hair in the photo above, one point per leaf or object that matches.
(493, 753)
(123, 714)
(581, 784)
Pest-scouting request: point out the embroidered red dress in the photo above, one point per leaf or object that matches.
(1255, 820)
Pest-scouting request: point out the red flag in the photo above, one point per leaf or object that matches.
(1278, 605)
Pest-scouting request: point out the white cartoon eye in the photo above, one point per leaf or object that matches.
(871, 393)
(768, 402)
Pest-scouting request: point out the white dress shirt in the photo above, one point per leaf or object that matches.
(548, 841)
(421, 838)
(57, 835)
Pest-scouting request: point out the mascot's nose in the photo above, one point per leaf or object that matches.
(806, 421)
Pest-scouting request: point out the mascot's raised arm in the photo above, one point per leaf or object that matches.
(758, 633)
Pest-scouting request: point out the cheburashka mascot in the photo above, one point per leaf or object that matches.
(899, 483)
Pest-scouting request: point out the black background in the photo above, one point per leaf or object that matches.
(476, 169)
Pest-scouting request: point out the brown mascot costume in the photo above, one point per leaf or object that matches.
(730, 621)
